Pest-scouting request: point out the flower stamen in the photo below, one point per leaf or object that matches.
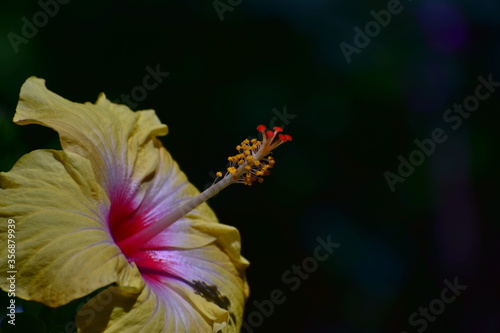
(250, 164)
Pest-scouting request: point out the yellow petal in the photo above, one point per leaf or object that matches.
(116, 140)
(211, 302)
(64, 250)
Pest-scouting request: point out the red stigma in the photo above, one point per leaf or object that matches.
(261, 128)
(285, 137)
(278, 129)
(269, 134)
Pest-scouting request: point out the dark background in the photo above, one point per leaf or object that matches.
(350, 123)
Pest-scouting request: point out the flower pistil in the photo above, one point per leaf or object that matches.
(250, 164)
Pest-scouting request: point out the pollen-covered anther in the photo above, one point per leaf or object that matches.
(253, 161)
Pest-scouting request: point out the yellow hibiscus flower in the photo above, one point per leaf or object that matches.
(113, 209)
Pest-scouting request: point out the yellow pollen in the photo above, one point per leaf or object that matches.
(232, 170)
(252, 160)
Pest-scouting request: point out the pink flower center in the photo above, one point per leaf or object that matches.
(125, 220)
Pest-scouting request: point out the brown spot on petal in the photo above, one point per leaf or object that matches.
(212, 294)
